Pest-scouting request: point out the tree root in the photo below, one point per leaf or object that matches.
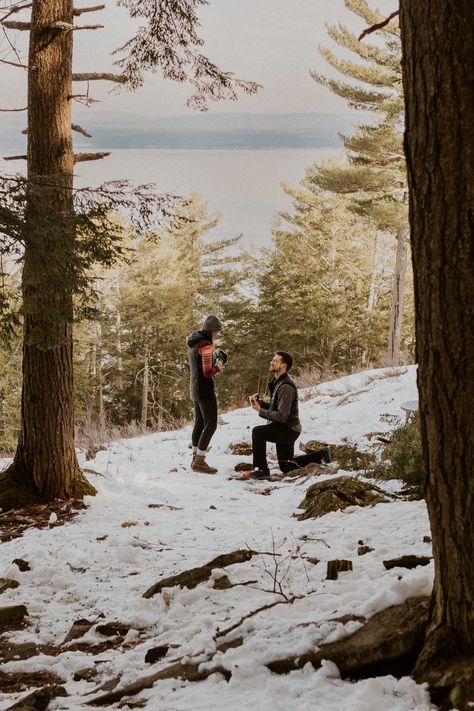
(449, 674)
(387, 644)
(194, 576)
(188, 672)
(17, 490)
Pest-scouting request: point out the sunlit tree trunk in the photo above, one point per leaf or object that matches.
(45, 460)
(398, 297)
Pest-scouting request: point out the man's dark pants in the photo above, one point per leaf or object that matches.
(205, 422)
(285, 439)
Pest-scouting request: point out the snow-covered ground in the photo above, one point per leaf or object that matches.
(97, 566)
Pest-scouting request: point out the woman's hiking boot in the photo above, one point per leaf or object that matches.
(200, 465)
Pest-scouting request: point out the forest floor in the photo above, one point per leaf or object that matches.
(88, 632)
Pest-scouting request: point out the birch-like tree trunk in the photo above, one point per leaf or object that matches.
(145, 393)
(398, 297)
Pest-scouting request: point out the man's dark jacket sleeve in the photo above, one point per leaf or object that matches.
(286, 394)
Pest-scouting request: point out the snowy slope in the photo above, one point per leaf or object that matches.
(94, 566)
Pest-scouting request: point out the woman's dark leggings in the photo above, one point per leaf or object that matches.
(205, 422)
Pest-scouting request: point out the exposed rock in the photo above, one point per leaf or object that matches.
(9, 650)
(12, 613)
(87, 674)
(337, 494)
(222, 583)
(21, 564)
(337, 566)
(243, 467)
(39, 699)
(407, 561)
(313, 445)
(363, 550)
(387, 644)
(79, 629)
(242, 448)
(193, 577)
(154, 654)
(110, 629)
(7, 584)
(311, 469)
(426, 539)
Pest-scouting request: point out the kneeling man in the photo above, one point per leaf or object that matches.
(283, 423)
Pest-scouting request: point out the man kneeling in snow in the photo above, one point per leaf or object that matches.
(283, 426)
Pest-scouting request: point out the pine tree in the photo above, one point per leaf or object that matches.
(59, 243)
(375, 174)
(314, 292)
(438, 63)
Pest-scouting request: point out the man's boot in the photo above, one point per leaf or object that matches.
(200, 465)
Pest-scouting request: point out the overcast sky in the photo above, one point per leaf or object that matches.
(273, 42)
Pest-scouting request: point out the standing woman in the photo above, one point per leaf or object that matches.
(204, 364)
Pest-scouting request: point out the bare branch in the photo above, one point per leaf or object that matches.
(14, 64)
(16, 9)
(80, 10)
(84, 99)
(8, 110)
(88, 27)
(14, 157)
(74, 127)
(378, 25)
(83, 157)
(79, 129)
(14, 25)
(95, 76)
(67, 27)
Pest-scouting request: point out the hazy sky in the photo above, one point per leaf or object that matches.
(273, 42)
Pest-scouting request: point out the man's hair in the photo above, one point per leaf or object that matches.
(286, 358)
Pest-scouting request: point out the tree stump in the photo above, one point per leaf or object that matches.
(337, 566)
(337, 494)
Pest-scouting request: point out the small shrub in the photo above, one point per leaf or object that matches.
(349, 458)
(404, 452)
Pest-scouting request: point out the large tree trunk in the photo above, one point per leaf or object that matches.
(398, 298)
(45, 460)
(438, 71)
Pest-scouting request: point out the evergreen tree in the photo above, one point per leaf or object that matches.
(438, 64)
(375, 174)
(314, 293)
(57, 246)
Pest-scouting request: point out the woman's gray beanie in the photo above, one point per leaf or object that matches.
(212, 323)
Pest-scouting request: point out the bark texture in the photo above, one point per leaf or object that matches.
(398, 298)
(45, 460)
(438, 71)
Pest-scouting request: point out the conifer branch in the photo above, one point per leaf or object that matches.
(14, 64)
(15, 25)
(16, 9)
(15, 157)
(378, 25)
(74, 127)
(67, 27)
(80, 10)
(79, 129)
(97, 76)
(83, 157)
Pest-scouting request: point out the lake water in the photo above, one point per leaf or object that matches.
(243, 185)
